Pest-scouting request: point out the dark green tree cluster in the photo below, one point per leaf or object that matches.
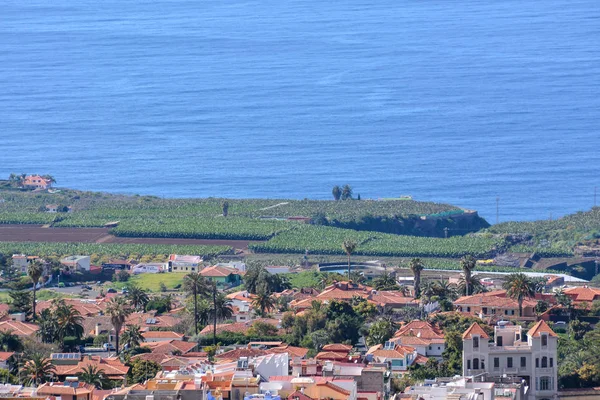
(207, 303)
(342, 193)
(58, 322)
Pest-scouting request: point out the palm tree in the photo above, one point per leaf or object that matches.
(92, 375)
(346, 192)
(35, 271)
(39, 369)
(10, 342)
(446, 290)
(132, 337)
(474, 285)
(221, 308)
(337, 192)
(263, 302)
(69, 321)
(349, 246)
(385, 282)
(118, 310)
(195, 284)
(518, 286)
(468, 264)
(416, 266)
(138, 297)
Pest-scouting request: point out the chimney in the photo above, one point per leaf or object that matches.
(97, 329)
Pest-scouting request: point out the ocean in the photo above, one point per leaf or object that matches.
(460, 102)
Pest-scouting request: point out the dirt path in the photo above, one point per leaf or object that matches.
(273, 206)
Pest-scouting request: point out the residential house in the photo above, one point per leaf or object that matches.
(426, 338)
(531, 357)
(224, 277)
(316, 387)
(78, 263)
(397, 357)
(171, 347)
(370, 380)
(179, 263)
(161, 336)
(70, 389)
(70, 364)
(151, 321)
(4, 357)
(21, 262)
(496, 306)
(116, 264)
(309, 367)
(19, 328)
(583, 296)
(36, 182)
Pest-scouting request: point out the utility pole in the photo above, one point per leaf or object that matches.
(497, 209)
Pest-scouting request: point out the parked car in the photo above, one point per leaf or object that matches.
(88, 287)
(61, 284)
(111, 290)
(108, 347)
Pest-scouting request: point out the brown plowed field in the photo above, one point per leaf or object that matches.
(37, 233)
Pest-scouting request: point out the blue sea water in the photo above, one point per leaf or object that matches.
(451, 101)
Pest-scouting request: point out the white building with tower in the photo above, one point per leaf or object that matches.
(529, 357)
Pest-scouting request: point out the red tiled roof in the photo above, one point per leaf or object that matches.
(291, 350)
(337, 347)
(330, 355)
(475, 329)
(235, 354)
(335, 387)
(219, 271)
(389, 297)
(18, 328)
(496, 299)
(399, 351)
(161, 335)
(59, 388)
(171, 346)
(420, 329)
(541, 327)
(236, 327)
(5, 355)
(583, 293)
(113, 368)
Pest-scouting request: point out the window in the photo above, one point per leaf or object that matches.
(537, 362)
(505, 312)
(544, 340)
(468, 309)
(509, 362)
(551, 362)
(485, 310)
(476, 363)
(499, 341)
(496, 362)
(544, 362)
(523, 362)
(468, 364)
(545, 383)
(475, 342)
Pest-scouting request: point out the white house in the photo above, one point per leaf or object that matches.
(397, 357)
(77, 262)
(531, 356)
(152, 268)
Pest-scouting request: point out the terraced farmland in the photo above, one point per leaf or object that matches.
(327, 240)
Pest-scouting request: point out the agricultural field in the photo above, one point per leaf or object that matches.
(34, 218)
(151, 282)
(234, 228)
(117, 250)
(327, 240)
